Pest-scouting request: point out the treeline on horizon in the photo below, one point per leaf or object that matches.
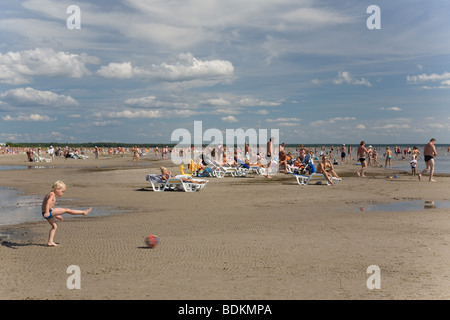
(85, 145)
(171, 145)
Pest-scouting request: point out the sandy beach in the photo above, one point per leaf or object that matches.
(238, 238)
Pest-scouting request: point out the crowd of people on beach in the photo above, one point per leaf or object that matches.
(273, 158)
(279, 159)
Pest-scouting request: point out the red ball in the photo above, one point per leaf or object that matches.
(151, 240)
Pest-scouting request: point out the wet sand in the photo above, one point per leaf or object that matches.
(239, 238)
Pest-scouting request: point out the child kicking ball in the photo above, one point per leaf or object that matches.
(51, 214)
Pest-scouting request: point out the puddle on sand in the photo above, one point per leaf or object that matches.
(18, 208)
(407, 206)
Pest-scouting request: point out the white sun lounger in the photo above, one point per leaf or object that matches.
(257, 170)
(157, 182)
(315, 178)
(175, 183)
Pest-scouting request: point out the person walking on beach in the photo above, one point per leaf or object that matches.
(51, 152)
(361, 154)
(388, 155)
(269, 156)
(413, 163)
(343, 155)
(52, 214)
(136, 154)
(429, 152)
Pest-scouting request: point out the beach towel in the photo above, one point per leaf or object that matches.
(205, 172)
(155, 178)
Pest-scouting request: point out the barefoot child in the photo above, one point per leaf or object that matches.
(413, 163)
(51, 214)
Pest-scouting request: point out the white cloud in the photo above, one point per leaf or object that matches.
(361, 127)
(394, 126)
(331, 121)
(392, 109)
(31, 117)
(20, 67)
(262, 112)
(145, 114)
(187, 68)
(250, 102)
(114, 70)
(229, 119)
(443, 78)
(284, 120)
(107, 123)
(130, 114)
(315, 17)
(346, 77)
(219, 102)
(29, 96)
(13, 136)
(141, 102)
(428, 77)
(225, 111)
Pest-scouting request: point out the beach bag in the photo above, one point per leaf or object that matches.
(205, 172)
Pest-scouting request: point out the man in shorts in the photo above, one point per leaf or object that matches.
(361, 155)
(429, 152)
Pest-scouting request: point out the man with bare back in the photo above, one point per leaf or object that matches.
(429, 152)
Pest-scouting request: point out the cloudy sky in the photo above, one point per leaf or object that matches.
(136, 70)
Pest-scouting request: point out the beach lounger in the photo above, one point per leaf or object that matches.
(314, 178)
(175, 183)
(219, 170)
(209, 171)
(38, 158)
(256, 169)
(157, 182)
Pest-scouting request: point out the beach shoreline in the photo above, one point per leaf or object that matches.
(239, 238)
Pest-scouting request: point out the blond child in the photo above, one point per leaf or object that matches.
(413, 163)
(51, 214)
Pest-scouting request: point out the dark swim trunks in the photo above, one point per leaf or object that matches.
(428, 158)
(50, 216)
(362, 159)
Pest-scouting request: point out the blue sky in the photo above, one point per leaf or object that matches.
(137, 70)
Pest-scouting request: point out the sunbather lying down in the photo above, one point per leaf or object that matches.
(167, 175)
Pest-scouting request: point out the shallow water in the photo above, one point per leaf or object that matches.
(23, 167)
(442, 164)
(408, 206)
(19, 167)
(16, 208)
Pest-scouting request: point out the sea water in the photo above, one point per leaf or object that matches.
(441, 164)
(16, 208)
(408, 206)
